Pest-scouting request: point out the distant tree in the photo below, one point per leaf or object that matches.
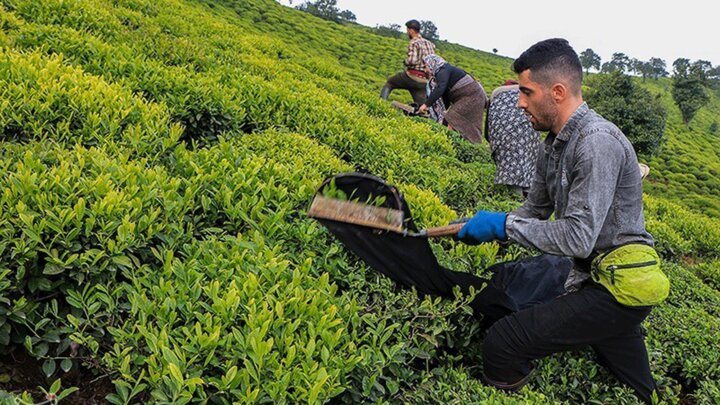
(658, 67)
(713, 76)
(327, 9)
(640, 115)
(347, 15)
(714, 73)
(589, 59)
(429, 31)
(619, 63)
(495, 50)
(688, 90)
(642, 68)
(681, 67)
(390, 30)
(700, 69)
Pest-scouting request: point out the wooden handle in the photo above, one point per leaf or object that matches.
(447, 230)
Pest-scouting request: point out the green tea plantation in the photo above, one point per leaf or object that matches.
(157, 159)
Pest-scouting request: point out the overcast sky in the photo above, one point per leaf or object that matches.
(639, 28)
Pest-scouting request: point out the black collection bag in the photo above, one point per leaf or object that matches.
(410, 262)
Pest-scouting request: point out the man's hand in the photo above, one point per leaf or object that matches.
(422, 109)
(485, 226)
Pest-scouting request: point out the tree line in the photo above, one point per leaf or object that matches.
(690, 79)
(328, 10)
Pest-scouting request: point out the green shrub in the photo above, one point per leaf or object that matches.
(708, 392)
(43, 99)
(239, 323)
(709, 273)
(680, 231)
(633, 109)
(73, 223)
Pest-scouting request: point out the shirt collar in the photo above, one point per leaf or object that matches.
(573, 123)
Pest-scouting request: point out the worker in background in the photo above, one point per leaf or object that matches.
(513, 141)
(463, 96)
(413, 78)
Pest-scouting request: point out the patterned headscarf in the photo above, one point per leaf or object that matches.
(437, 110)
(434, 63)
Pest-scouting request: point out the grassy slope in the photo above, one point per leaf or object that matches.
(309, 87)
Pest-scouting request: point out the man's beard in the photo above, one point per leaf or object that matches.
(545, 117)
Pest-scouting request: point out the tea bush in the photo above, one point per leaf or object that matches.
(709, 273)
(680, 231)
(74, 221)
(233, 321)
(42, 99)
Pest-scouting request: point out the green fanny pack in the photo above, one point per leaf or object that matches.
(632, 274)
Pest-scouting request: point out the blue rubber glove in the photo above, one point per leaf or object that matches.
(485, 226)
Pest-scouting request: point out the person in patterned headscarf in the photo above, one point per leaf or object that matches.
(464, 97)
(513, 141)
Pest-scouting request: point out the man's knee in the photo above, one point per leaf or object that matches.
(396, 81)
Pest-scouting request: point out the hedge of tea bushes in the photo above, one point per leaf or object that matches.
(401, 329)
(709, 273)
(240, 193)
(195, 101)
(73, 218)
(231, 320)
(708, 393)
(687, 167)
(680, 333)
(679, 231)
(44, 99)
(370, 61)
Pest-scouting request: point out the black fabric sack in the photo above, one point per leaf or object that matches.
(410, 262)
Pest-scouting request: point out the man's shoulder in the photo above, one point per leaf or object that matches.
(601, 133)
(421, 40)
(594, 123)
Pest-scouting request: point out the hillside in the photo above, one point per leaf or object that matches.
(158, 158)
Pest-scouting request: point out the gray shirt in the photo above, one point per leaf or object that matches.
(587, 175)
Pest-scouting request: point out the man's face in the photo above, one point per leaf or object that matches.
(537, 102)
(410, 32)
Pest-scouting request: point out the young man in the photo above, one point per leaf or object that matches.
(413, 78)
(587, 174)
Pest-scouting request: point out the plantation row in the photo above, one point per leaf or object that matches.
(688, 167)
(155, 176)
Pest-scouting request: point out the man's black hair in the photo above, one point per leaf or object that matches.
(413, 24)
(550, 60)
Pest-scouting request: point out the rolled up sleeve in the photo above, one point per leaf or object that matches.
(598, 162)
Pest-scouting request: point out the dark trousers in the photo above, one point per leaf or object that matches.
(588, 317)
(402, 80)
